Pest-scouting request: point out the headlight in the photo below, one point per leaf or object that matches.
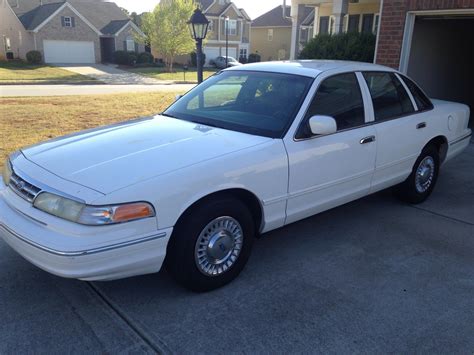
(91, 215)
(7, 172)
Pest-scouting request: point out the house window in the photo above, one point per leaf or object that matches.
(324, 24)
(243, 53)
(130, 44)
(353, 25)
(376, 23)
(7, 44)
(270, 34)
(211, 26)
(67, 21)
(231, 27)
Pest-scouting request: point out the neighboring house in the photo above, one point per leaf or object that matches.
(417, 37)
(239, 24)
(271, 35)
(330, 16)
(72, 31)
(273, 32)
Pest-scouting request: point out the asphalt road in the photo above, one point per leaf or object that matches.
(372, 276)
(67, 90)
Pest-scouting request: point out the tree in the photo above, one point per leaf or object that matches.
(167, 29)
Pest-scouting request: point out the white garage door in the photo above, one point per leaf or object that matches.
(68, 52)
(211, 53)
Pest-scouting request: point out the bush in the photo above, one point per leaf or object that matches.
(125, 58)
(343, 46)
(194, 59)
(145, 58)
(243, 59)
(254, 58)
(34, 57)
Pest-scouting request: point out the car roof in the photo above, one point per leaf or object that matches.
(311, 68)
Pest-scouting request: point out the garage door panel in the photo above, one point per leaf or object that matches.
(211, 53)
(68, 51)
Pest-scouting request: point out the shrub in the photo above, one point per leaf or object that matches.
(194, 59)
(34, 57)
(243, 59)
(343, 46)
(254, 58)
(145, 58)
(125, 58)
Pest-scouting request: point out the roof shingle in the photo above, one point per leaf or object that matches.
(273, 18)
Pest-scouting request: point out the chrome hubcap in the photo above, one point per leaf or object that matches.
(424, 174)
(218, 246)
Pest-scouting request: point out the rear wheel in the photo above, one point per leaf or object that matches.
(211, 244)
(421, 182)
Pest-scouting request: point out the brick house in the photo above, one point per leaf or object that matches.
(433, 42)
(72, 31)
(430, 40)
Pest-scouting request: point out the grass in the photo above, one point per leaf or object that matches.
(178, 74)
(24, 73)
(29, 120)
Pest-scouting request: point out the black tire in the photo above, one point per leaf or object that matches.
(181, 254)
(408, 191)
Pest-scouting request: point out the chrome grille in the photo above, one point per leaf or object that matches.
(23, 188)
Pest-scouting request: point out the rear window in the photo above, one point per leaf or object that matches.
(422, 101)
(389, 97)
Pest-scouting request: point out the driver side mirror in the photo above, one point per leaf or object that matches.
(320, 125)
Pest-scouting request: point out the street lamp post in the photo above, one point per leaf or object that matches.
(198, 25)
(226, 41)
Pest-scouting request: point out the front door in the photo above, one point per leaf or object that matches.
(329, 170)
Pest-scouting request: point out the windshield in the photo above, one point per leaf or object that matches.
(258, 103)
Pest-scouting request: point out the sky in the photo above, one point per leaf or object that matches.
(254, 8)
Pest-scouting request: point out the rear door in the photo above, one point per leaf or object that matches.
(400, 129)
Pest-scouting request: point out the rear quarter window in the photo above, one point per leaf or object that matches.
(422, 101)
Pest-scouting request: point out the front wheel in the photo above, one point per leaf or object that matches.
(211, 244)
(421, 182)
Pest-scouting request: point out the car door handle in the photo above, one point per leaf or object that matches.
(368, 139)
(421, 125)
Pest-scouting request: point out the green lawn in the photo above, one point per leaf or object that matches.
(24, 73)
(177, 75)
(29, 120)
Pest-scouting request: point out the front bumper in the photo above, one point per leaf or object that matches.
(100, 254)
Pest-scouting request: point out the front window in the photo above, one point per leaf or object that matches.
(243, 53)
(257, 103)
(7, 44)
(270, 34)
(130, 43)
(67, 21)
(231, 27)
(339, 97)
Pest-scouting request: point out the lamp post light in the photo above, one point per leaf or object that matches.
(226, 41)
(198, 25)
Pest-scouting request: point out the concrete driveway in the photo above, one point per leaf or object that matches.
(372, 276)
(112, 75)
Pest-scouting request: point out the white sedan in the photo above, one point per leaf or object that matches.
(252, 149)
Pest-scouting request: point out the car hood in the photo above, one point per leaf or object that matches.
(113, 157)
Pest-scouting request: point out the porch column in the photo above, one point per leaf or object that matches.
(339, 10)
(316, 21)
(294, 29)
